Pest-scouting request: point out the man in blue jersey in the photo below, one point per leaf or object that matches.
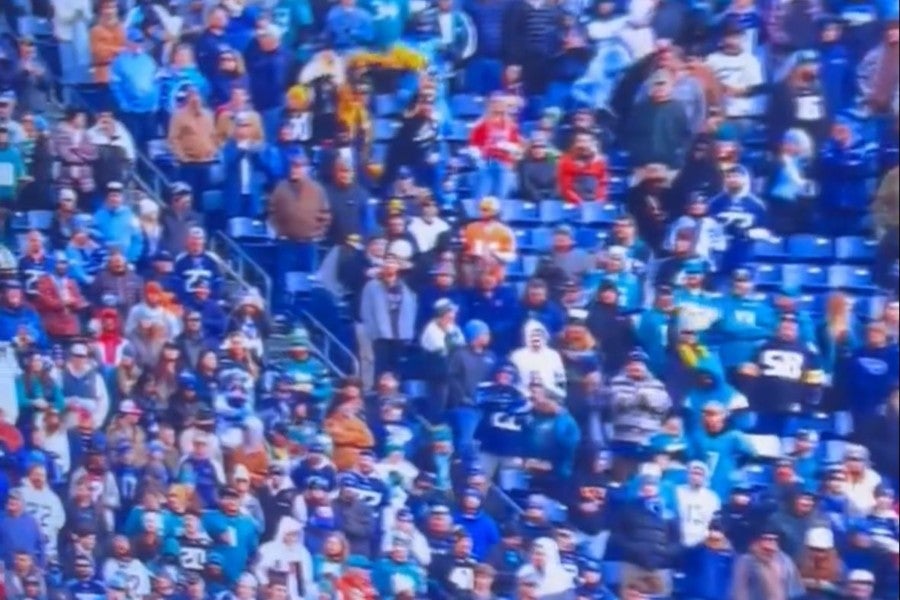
(196, 264)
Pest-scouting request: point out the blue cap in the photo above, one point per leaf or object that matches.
(638, 355)
(694, 267)
(475, 329)
(181, 188)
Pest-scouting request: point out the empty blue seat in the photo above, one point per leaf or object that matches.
(851, 277)
(211, 200)
(386, 105)
(529, 264)
(538, 239)
(586, 238)
(19, 221)
(243, 228)
(470, 207)
(792, 275)
(599, 214)
(551, 212)
(766, 250)
(767, 276)
(869, 309)
(459, 132)
(810, 248)
(383, 130)
(855, 249)
(518, 211)
(297, 282)
(813, 277)
(414, 388)
(467, 106)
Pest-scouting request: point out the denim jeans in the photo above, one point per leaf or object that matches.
(464, 421)
(196, 175)
(142, 125)
(496, 179)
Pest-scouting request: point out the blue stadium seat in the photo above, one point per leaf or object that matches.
(813, 277)
(598, 214)
(414, 388)
(470, 207)
(810, 248)
(297, 282)
(586, 238)
(871, 308)
(515, 271)
(211, 200)
(243, 228)
(552, 212)
(792, 275)
(19, 221)
(467, 106)
(850, 277)
(855, 249)
(541, 239)
(459, 132)
(766, 250)
(767, 276)
(529, 264)
(519, 212)
(523, 240)
(383, 130)
(386, 106)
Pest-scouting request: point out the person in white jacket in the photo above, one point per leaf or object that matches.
(44, 505)
(10, 372)
(107, 131)
(552, 580)
(536, 362)
(71, 27)
(696, 505)
(738, 70)
(442, 334)
(286, 554)
(427, 227)
(861, 481)
(404, 525)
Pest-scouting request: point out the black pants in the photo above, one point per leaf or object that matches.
(389, 356)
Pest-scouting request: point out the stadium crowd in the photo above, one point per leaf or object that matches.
(620, 280)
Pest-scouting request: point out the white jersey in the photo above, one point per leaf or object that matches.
(135, 575)
(696, 508)
(739, 71)
(47, 509)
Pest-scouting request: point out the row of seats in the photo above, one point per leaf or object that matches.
(551, 212)
(811, 277)
(816, 249)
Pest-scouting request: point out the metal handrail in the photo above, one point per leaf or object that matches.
(247, 270)
(331, 342)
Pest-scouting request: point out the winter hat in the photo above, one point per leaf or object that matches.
(697, 465)
(444, 307)
(820, 538)
(474, 329)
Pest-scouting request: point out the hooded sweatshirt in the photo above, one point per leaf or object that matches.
(294, 560)
(554, 581)
(696, 508)
(541, 363)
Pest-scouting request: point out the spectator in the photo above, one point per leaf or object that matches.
(766, 557)
(495, 141)
(388, 315)
(537, 175)
(135, 89)
(107, 40)
(248, 169)
(117, 222)
(582, 171)
(550, 579)
(59, 301)
(75, 150)
(348, 26)
(267, 65)
(347, 199)
(179, 219)
(71, 22)
(659, 130)
(192, 139)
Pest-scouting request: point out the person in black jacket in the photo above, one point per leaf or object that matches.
(537, 173)
(613, 330)
(416, 145)
(530, 32)
(647, 536)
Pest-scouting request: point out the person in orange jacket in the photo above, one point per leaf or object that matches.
(487, 242)
(107, 40)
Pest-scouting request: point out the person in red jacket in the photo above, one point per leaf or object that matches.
(582, 171)
(495, 140)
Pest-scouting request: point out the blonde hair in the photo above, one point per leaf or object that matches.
(837, 314)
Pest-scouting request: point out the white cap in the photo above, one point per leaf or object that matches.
(860, 576)
(240, 473)
(820, 538)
